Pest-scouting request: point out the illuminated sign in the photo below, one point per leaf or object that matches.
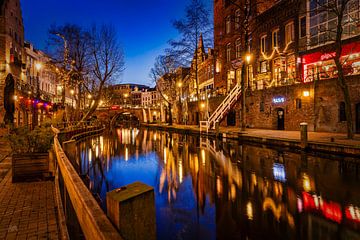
(278, 100)
(327, 56)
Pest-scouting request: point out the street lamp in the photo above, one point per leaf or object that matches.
(125, 97)
(248, 58)
(38, 67)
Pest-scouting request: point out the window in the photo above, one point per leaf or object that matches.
(237, 19)
(228, 25)
(289, 33)
(238, 48)
(298, 103)
(228, 52)
(275, 38)
(342, 113)
(302, 27)
(262, 107)
(263, 67)
(263, 44)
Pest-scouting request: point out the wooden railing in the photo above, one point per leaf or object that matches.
(79, 206)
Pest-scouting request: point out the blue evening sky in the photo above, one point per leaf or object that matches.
(143, 26)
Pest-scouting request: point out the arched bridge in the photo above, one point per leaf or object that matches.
(144, 115)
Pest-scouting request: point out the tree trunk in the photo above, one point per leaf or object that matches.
(243, 99)
(341, 78)
(95, 105)
(170, 115)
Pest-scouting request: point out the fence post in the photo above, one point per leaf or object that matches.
(132, 210)
(304, 135)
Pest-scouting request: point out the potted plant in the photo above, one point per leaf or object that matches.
(30, 160)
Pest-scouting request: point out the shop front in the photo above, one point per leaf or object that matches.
(321, 65)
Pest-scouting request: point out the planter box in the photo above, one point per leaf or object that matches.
(30, 167)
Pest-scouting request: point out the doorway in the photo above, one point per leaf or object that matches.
(280, 119)
(231, 118)
(357, 118)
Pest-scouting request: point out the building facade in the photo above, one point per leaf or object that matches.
(11, 52)
(291, 77)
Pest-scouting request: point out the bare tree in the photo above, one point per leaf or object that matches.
(71, 54)
(184, 50)
(107, 62)
(339, 10)
(164, 75)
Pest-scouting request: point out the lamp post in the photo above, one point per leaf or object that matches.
(65, 63)
(248, 60)
(180, 103)
(35, 121)
(125, 97)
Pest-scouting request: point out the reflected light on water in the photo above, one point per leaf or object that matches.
(90, 155)
(165, 155)
(306, 182)
(126, 154)
(180, 171)
(249, 211)
(203, 157)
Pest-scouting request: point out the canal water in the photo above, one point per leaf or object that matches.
(206, 189)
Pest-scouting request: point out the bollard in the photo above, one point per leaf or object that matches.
(132, 210)
(304, 135)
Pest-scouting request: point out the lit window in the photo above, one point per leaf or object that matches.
(275, 38)
(289, 33)
(263, 44)
(228, 52)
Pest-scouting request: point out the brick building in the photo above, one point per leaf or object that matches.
(229, 39)
(11, 47)
(292, 75)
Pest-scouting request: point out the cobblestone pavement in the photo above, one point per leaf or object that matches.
(5, 151)
(27, 210)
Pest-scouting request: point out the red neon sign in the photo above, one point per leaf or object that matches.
(329, 210)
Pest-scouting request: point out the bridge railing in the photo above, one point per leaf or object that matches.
(83, 216)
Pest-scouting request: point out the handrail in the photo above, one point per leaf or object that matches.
(225, 105)
(93, 221)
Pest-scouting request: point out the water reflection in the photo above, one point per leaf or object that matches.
(206, 189)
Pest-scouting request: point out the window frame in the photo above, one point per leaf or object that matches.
(228, 52)
(263, 43)
(289, 37)
(273, 33)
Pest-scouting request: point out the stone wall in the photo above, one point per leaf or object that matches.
(320, 112)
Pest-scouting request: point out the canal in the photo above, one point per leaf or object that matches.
(207, 189)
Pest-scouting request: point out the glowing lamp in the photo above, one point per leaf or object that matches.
(38, 66)
(248, 58)
(306, 93)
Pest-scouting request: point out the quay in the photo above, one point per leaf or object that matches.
(333, 143)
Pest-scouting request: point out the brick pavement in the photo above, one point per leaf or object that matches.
(28, 210)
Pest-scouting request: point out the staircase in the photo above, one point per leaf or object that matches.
(222, 109)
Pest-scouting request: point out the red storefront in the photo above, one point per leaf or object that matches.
(321, 64)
